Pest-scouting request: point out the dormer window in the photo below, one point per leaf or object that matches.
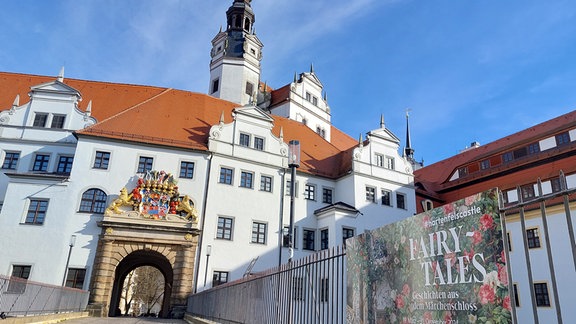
(58, 121)
(308, 96)
(315, 101)
(40, 120)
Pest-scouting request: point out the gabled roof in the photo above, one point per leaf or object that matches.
(177, 118)
(436, 176)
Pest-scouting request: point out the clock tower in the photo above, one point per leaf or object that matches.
(235, 57)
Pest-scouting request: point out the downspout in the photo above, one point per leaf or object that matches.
(205, 204)
(281, 217)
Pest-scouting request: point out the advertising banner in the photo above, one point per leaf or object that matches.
(446, 265)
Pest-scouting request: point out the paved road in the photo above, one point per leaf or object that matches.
(123, 320)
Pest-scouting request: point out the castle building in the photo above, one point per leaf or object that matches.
(116, 176)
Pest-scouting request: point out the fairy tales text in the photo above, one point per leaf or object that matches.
(456, 268)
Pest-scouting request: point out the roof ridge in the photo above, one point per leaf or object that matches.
(134, 106)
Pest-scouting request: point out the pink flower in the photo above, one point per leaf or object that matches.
(406, 290)
(426, 221)
(477, 237)
(486, 294)
(447, 317)
(469, 200)
(486, 221)
(449, 208)
(503, 275)
(506, 303)
(399, 301)
(469, 254)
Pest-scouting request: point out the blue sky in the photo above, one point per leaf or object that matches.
(469, 70)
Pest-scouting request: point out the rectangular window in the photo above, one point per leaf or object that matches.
(226, 176)
(11, 160)
(215, 84)
(298, 288)
(516, 297)
(310, 192)
(246, 179)
(259, 233)
(346, 234)
(380, 160)
(521, 152)
(145, 164)
(527, 191)
(65, 164)
(324, 289)
(541, 292)
(36, 212)
(101, 160)
(244, 140)
(308, 240)
(186, 170)
(308, 96)
(462, 172)
(327, 195)
(288, 184)
(219, 277)
(224, 230)
(324, 239)
(401, 201)
(266, 183)
(370, 194)
(286, 238)
(75, 278)
(249, 88)
(533, 238)
(555, 184)
(258, 143)
(507, 157)
(386, 197)
(533, 148)
(389, 162)
(315, 101)
(18, 286)
(41, 162)
(562, 139)
(484, 164)
(58, 121)
(40, 120)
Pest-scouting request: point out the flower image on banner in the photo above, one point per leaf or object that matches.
(446, 265)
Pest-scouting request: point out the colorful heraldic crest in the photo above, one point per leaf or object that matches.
(156, 196)
(447, 265)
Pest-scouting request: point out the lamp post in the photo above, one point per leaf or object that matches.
(293, 163)
(208, 252)
(71, 245)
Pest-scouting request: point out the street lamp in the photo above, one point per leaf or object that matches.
(208, 252)
(293, 163)
(71, 245)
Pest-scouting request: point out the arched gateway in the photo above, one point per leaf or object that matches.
(146, 228)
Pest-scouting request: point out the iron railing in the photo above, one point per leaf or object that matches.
(21, 297)
(309, 290)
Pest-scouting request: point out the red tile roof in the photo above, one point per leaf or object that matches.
(177, 118)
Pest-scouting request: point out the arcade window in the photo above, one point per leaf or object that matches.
(75, 278)
(36, 212)
(246, 179)
(219, 277)
(562, 139)
(259, 233)
(324, 239)
(58, 121)
(327, 195)
(371, 194)
(145, 164)
(101, 160)
(186, 170)
(41, 162)
(224, 231)
(11, 160)
(533, 238)
(346, 234)
(40, 120)
(310, 192)
(65, 164)
(244, 139)
(266, 183)
(308, 240)
(401, 201)
(386, 197)
(93, 201)
(226, 176)
(541, 292)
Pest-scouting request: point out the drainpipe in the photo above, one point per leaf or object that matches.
(205, 205)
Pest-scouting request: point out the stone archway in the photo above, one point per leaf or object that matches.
(138, 259)
(128, 241)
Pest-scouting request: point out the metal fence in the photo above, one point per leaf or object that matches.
(310, 290)
(20, 297)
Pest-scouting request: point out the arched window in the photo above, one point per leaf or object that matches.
(93, 201)
(247, 24)
(238, 21)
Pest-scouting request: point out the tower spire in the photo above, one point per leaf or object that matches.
(408, 151)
